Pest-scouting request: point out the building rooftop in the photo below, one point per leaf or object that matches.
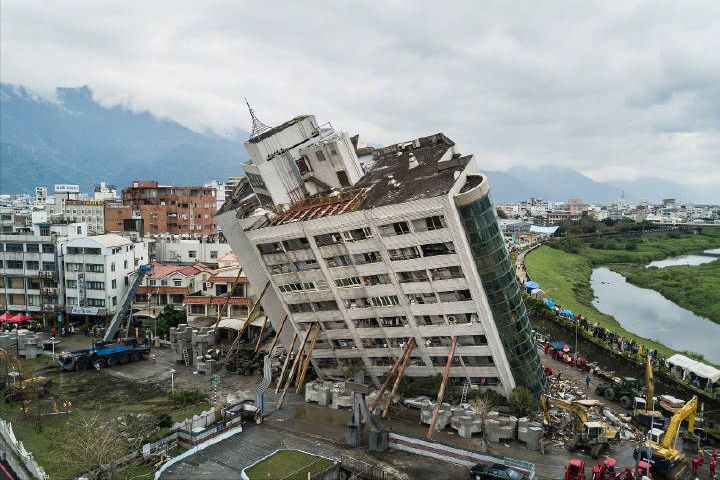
(279, 128)
(423, 168)
(111, 240)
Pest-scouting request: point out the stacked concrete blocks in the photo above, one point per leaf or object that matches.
(530, 432)
(22, 343)
(180, 338)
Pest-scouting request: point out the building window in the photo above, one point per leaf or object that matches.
(74, 250)
(13, 247)
(95, 285)
(320, 156)
(401, 228)
(96, 302)
(177, 283)
(213, 254)
(197, 309)
(94, 267)
(192, 254)
(114, 284)
(71, 283)
(32, 247)
(114, 300)
(48, 266)
(32, 265)
(163, 283)
(71, 300)
(112, 266)
(125, 264)
(433, 223)
(74, 267)
(153, 282)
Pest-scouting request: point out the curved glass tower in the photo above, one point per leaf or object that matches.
(487, 246)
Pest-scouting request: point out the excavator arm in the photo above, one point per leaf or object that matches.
(580, 415)
(688, 411)
(649, 383)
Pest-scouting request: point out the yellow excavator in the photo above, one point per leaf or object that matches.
(667, 460)
(594, 436)
(643, 411)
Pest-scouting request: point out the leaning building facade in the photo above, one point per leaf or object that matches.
(411, 249)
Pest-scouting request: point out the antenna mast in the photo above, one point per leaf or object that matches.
(257, 126)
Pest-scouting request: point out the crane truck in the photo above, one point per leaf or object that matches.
(109, 352)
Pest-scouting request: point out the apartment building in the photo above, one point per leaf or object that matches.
(169, 284)
(103, 191)
(179, 250)
(31, 270)
(91, 212)
(412, 250)
(97, 272)
(153, 209)
(55, 205)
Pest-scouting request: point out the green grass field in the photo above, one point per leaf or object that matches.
(693, 287)
(287, 462)
(565, 277)
(89, 392)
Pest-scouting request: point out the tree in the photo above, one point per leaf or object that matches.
(97, 440)
(521, 401)
(170, 317)
(482, 406)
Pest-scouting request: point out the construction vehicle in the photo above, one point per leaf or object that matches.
(624, 391)
(103, 354)
(17, 385)
(108, 352)
(605, 470)
(594, 436)
(575, 469)
(644, 412)
(666, 459)
(633, 473)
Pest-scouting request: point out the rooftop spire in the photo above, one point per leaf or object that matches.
(257, 126)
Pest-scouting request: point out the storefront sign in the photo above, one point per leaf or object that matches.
(87, 311)
(67, 188)
(81, 290)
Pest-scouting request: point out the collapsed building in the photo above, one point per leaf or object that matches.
(407, 248)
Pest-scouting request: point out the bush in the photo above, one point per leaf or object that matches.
(493, 398)
(521, 401)
(611, 245)
(188, 397)
(598, 244)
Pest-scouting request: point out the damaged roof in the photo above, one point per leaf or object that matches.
(279, 128)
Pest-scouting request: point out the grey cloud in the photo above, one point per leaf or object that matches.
(614, 89)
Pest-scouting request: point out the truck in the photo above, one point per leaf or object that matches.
(103, 354)
(624, 391)
(109, 351)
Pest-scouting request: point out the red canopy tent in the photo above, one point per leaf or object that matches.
(19, 318)
(5, 317)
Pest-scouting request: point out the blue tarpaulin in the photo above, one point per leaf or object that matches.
(530, 286)
(561, 346)
(567, 313)
(550, 304)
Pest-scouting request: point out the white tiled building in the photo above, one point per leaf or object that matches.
(97, 272)
(412, 250)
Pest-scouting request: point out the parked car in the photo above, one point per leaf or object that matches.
(496, 471)
(417, 402)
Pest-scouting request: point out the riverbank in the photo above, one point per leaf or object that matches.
(564, 274)
(693, 287)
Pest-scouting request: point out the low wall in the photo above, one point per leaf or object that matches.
(439, 450)
(19, 459)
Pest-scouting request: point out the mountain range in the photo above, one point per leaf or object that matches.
(73, 139)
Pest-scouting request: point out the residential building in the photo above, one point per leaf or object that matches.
(169, 284)
(412, 250)
(97, 272)
(91, 212)
(156, 209)
(31, 270)
(63, 193)
(199, 250)
(554, 217)
(40, 195)
(7, 220)
(105, 192)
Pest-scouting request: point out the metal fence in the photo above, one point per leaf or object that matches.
(364, 471)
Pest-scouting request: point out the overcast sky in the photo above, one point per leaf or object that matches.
(613, 89)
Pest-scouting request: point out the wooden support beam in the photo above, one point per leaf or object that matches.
(301, 354)
(285, 363)
(397, 380)
(292, 370)
(277, 334)
(307, 359)
(390, 374)
(441, 393)
(227, 300)
(250, 314)
(262, 329)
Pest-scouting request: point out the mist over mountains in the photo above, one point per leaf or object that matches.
(76, 140)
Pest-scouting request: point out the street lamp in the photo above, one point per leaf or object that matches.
(172, 381)
(53, 347)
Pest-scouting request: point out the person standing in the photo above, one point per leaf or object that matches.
(587, 382)
(712, 467)
(695, 464)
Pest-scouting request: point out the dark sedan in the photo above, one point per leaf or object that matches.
(495, 471)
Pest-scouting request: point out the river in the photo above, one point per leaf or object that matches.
(650, 315)
(692, 259)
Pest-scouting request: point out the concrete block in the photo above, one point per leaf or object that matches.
(324, 395)
(466, 425)
(311, 391)
(534, 436)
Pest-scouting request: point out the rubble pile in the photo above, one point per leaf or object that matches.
(563, 423)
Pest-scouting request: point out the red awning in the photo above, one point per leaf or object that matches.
(5, 317)
(19, 318)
